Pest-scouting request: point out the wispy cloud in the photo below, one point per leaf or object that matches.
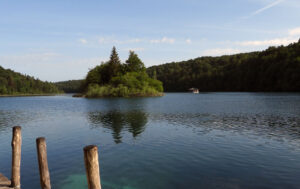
(291, 37)
(111, 40)
(137, 49)
(219, 51)
(114, 41)
(49, 66)
(267, 7)
(188, 41)
(295, 31)
(271, 42)
(163, 40)
(82, 40)
(29, 57)
(275, 3)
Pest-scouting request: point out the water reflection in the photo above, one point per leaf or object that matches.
(132, 121)
(8, 119)
(270, 126)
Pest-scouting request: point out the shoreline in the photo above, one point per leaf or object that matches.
(130, 96)
(29, 95)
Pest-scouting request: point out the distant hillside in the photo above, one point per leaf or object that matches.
(71, 86)
(13, 83)
(274, 69)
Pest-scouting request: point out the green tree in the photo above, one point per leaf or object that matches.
(274, 69)
(134, 63)
(114, 64)
(121, 80)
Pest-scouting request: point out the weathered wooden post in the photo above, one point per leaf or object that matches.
(92, 166)
(43, 163)
(16, 144)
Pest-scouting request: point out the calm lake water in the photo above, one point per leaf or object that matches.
(181, 140)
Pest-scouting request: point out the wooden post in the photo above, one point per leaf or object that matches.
(92, 166)
(43, 163)
(16, 157)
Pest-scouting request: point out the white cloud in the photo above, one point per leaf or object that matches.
(135, 40)
(219, 51)
(267, 7)
(50, 66)
(188, 41)
(82, 40)
(163, 40)
(271, 42)
(137, 49)
(110, 40)
(295, 31)
(30, 57)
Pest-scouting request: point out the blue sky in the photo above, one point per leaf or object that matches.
(62, 39)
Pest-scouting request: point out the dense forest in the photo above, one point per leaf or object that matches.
(116, 79)
(274, 69)
(13, 83)
(71, 86)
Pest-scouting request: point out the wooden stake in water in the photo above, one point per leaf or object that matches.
(16, 157)
(92, 166)
(43, 163)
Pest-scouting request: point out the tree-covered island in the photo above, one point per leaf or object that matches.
(116, 79)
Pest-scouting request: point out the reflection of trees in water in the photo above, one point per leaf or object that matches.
(132, 121)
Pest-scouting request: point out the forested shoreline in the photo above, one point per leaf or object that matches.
(70, 86)
(276, 69)
(17, 84)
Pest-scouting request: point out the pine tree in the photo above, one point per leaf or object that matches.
(114, 57)
(134, 63)
(114, 64)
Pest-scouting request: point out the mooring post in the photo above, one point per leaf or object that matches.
(16, 157)
(92, 166)
(43, 163)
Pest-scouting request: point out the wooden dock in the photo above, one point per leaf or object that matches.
(90, 159)
(4, 182)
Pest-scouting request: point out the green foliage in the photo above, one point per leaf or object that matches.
(96, 91)
(71, 86)
(130, 79)
(114, 64)
(13, 83)
(134, 63)
(275, 69)
(99, 75)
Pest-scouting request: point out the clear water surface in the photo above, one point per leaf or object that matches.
(181, 140)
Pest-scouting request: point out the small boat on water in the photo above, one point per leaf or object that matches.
(194, 90)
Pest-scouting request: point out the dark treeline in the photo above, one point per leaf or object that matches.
(71, 86)
(13, 83)
(274, 69)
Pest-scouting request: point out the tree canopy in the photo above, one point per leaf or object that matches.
(274, 69)
(121, 80)
(13, 83)
(134, 63)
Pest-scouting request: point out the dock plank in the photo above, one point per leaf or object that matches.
(4, 182)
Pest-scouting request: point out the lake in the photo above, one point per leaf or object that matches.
(181, 140)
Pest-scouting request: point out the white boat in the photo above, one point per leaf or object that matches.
(194, 90)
